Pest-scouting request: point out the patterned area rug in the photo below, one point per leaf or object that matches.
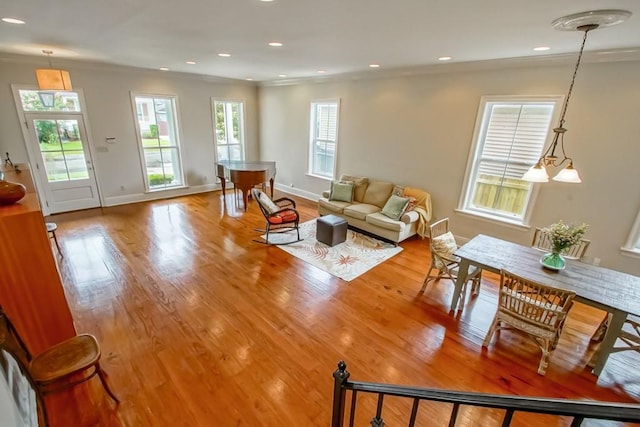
(348, 260)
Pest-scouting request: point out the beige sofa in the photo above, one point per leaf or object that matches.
(364, 212)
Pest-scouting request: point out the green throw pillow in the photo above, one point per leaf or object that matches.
(395, 206)
(341, 191)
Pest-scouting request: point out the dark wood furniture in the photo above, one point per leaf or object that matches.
(31, 290)
(245, 175)
(613, 291)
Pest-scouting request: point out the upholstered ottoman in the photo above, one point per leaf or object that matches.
(331, 230)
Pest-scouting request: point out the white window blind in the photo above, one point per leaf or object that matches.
(324, 135)
(510, 136)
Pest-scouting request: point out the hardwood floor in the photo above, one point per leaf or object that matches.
(201, 326)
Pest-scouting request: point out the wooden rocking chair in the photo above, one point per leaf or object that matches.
(280, 215)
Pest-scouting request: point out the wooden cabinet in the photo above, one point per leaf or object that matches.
(31, 291)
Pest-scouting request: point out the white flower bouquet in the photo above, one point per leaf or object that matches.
(564, 236)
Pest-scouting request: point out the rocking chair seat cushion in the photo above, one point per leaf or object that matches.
(283, 216)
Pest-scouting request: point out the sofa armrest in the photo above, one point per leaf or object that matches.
(326, 194)
(409, 217)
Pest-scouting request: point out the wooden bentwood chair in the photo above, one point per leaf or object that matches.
(443, 245)
(280, 215)
(542, 240)
(535, 309)
(59, 367)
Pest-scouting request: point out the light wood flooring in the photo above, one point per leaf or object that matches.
(201, 326)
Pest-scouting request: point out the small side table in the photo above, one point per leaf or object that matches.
(331, 230)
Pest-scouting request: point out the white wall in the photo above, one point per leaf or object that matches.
(108, 106)
(417, 130)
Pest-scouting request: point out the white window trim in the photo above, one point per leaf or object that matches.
(311, 136)
(242, 125)
(465, 192)
(178, 120)
(629, 247)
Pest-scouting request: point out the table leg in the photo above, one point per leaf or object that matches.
(271, 186)
(463, 271)
(223, 183)
(601, 355)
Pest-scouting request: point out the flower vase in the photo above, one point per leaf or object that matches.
(553, 261)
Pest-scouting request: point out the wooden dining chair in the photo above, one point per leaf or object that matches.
(445, 264)
(532, 308)
(542, 241)
(65, 364)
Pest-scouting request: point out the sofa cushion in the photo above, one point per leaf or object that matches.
(333, 206)
(360, 183)
(360, 210)
(377, 193)
(395, 207)
(385, 222)
(342, 191)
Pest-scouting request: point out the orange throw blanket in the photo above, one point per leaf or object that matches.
(422, 207)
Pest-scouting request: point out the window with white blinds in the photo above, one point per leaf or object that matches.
(324, 138)
(510, 136)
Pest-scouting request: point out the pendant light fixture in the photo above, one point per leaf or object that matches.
(584, 21)
(51, 79)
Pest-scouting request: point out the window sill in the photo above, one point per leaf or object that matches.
(157, 190)
(494, 220)
(632, 253)
(324, 178)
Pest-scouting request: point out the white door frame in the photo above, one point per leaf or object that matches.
(34, 158)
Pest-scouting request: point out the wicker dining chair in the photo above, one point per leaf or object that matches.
(444, 263)
(532, 308)
(542, 241)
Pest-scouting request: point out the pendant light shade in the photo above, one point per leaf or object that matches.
(568, 174)
(53, 79)
(536, 173)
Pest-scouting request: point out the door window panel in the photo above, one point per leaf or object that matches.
(61, 150)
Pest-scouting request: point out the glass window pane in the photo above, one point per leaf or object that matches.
(47, 133)
(63, 101)
(55, 165)
(223, 153)
(76, 164)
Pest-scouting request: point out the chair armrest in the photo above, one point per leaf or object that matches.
(284, 201)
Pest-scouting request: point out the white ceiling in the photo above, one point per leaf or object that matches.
(339, 36)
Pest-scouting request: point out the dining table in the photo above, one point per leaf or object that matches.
(613, 291)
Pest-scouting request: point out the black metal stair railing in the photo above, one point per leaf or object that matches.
(577, 410)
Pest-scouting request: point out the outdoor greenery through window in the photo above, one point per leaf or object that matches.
(229, 129)
(158, 133)
(324, 138)
(510, 136)
(62, 101)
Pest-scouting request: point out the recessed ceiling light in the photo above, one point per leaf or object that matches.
(13, 21)
(224, 55)
(444, 58)
(266, 1)
(249, 79)
(164, 69)
(541, 48)
(191, 62)
(275, 44)
(374, 65)
(322, 71)
(282, 75)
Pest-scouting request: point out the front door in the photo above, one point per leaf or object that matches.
(61, 162)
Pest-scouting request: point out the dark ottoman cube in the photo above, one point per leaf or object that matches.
(331, 230)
